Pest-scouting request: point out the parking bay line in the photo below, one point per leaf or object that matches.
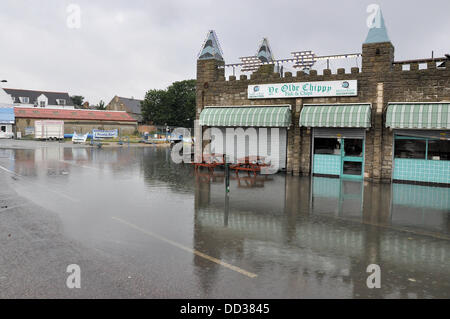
(45, 186)
(193, 251)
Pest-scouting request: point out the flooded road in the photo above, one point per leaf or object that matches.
(141, 226)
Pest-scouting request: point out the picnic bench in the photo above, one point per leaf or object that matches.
(211, 161)
(249, 164)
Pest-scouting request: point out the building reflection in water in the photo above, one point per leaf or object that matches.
(327, 230)
(57, 161)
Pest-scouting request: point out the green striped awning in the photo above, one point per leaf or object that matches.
(335, 115)
(269, 116)
(418, 115)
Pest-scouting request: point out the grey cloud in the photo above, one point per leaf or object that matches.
(128, 47)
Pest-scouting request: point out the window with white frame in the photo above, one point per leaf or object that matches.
(61, 101)
(42, 103)
(24, 99)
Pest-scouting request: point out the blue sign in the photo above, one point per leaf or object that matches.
(105, 133)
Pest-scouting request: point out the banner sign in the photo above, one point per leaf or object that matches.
(79, 138)
(29, 130)
(303, 89)
(105, 133)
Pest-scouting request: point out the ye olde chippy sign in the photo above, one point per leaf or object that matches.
(303, 89)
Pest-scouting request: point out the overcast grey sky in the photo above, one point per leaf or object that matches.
(129, 47)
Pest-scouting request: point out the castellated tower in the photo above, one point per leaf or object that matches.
(377, 49)
(377, 67)
(210, 64)
(210, 68)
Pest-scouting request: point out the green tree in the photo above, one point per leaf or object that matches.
(154, 107)
(174, 106)
(101, 105)
(77, 100)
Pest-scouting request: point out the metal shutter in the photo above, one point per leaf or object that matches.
(338, 132)
(219, 144)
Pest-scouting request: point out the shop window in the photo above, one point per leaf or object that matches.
(410, 148)
(327, 146)
(439, 150)
(353, 147)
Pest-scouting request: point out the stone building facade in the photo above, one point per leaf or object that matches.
(130, 105)
(381, 82)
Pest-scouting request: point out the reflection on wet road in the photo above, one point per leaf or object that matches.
(299, 237)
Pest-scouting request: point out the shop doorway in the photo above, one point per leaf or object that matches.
(341, 155)
(352, 157)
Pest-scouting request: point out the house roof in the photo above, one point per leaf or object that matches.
(58, 114)
(33, 95)
(133, 105)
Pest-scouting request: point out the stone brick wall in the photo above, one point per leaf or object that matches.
(380, 81)
(116, 105)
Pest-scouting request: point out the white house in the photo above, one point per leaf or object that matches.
(39, 99)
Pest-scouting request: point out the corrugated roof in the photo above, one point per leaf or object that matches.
(265, 116)
(336, 115)
(58, 114)
(418, 115)
(33, 95)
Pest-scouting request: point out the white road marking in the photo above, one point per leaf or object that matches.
(193, 251)
(9, 171)
(41, 185)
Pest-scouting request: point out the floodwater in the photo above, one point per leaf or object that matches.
(164, 230)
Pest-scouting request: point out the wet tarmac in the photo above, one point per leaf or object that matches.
(139, 226)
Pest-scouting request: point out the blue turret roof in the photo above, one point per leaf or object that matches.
(211, 48)
(378, 32)
(264, 52)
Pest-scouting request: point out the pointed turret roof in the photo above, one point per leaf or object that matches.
(211, 48)
(377, 32)
(264, 52)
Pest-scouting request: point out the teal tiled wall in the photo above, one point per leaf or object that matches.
(422, 170)
(421, 196)
(326, 187)
(327, 164)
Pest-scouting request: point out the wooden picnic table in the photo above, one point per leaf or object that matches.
(210, 161)
(250, 164)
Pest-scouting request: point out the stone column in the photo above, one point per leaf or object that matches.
(378, 134)
(294, 140)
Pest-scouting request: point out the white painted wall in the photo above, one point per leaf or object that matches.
(42, 98)
(5, 99)
(9, 132)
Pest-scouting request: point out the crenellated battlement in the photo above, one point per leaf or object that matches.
(406, 66)
(398, 68)
(299, 76)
